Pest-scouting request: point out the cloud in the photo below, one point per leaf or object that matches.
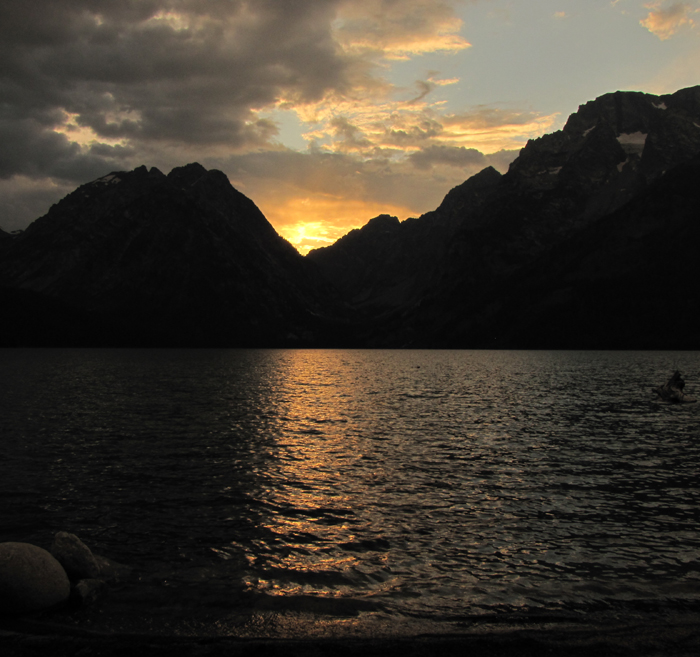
(31, 149)
(399, 30)
(23, 199)
(395, 128)
(491, 128)
(168, 70)
(665, 21)
(465, 159)
(458, 156)
(316, 197)
(198, 71)
(92, 87)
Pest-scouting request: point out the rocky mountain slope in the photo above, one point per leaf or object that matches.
(148, 259)
(561, 186)
(386, 264)
(630, 280)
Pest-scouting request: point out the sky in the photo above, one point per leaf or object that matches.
(325, 113)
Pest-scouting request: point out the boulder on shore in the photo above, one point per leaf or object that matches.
(74, 556)
(31, 579)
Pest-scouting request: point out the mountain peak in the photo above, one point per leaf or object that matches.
(384, 223)
(624, 111)
(182, 259)
(141, 174)
(485, 179)
(188, 175)
(617, 142)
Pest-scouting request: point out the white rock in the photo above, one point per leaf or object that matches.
(30, 579)
(632, 142)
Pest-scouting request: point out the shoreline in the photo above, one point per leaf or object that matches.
(676, 636)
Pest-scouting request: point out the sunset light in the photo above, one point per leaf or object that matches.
(313, 222)
(361, 328)
(325, 114)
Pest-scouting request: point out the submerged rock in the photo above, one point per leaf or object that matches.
(111, 571)
(31, 579)
(88, 591)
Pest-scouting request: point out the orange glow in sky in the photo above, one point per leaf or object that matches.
(312, 222)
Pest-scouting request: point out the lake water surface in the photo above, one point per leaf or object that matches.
(271, 492)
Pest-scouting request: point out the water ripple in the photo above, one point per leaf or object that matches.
(432, 484)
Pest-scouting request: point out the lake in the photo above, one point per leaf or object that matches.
(313, 492)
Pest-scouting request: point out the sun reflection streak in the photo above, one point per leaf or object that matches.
(310, 532)
(324, 540)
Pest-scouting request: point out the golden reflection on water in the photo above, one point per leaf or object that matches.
(309, 487)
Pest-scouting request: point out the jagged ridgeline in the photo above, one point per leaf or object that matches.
(590, 240)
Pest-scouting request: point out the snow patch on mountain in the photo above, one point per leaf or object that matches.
(111, 178)
(632, 142)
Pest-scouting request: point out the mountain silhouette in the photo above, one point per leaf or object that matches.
(183, 259)
(489, 243)
(588, 241)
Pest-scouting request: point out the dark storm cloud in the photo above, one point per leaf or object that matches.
(501, 160)
(456, 156)
(32, 150)
(22, 200)
(168, 71)
(93, 86)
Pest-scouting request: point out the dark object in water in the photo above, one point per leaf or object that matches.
(673, 390)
